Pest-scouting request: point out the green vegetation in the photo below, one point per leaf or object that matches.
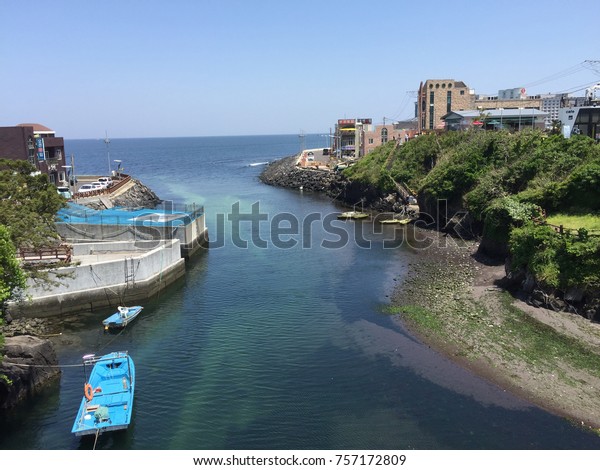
(590, 222)
(11, 276)
(505, 181)
(559, 262)
(373, 168)
(28, 205)
(541, 343)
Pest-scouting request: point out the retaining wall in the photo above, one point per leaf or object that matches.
(130, 273)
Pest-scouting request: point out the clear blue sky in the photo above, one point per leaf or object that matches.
(198, 68)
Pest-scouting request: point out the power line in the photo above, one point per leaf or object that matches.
(557, 75)
(579, 87)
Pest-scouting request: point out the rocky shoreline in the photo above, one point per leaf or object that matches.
(285, 173)
(29, 365)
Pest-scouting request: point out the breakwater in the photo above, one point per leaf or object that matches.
(285, 173)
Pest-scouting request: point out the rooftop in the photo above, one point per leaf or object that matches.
(37, 128)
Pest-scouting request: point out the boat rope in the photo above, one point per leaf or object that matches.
(96, 278)
(96, 439)
(108, 343)
(40, 365)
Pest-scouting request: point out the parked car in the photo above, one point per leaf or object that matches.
(107, 181)
(86, 188)
(64, 191)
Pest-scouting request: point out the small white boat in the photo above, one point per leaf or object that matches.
(396, 221)
(353, 215)
(122, 317)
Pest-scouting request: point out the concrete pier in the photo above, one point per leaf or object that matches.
(104, 274)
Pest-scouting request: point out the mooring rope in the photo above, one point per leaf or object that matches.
(96, 440)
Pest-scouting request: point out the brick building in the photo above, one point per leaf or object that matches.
(39, 146)
(374, 136)
(436, 98)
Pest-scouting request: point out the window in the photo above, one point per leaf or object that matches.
(448, 101)
(462, 92)
(431, 114)
(384, 135)
(370, 140)
(431, 97)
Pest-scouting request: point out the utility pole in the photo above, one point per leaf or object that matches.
(107, 141)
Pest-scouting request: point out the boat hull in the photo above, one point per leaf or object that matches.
(119, 320)
(396, 221)
(353, 215)
(107, 403)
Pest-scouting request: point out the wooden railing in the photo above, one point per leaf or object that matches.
(62, 253)
(111, 189)
(560, 229)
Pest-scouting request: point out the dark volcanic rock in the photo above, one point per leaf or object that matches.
(285, 173)
(30, 363)
(138, 196)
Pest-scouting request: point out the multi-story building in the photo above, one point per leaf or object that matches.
(505, 102)
(348, 136)
(581, 115)
(374, 136)
(437, 98)
(39, 146)
(550, 103)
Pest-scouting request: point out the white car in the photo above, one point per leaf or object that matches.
(64, 191)
(106, 181)
(86, 188)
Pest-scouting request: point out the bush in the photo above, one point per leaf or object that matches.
(505, 213)
(558, 261)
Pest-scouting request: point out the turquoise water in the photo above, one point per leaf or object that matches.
(275, 347)
(78, 214)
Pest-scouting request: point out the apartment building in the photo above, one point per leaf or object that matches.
(38, 145)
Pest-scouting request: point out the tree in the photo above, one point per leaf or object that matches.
(28, 205)
(11, 275)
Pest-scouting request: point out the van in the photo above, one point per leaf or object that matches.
(64, 191)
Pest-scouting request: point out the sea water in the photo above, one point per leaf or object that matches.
(278, 336)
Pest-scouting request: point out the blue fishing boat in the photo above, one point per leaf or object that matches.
(122, 317)
(107, 400)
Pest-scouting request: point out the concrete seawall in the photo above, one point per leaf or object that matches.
(106, 274)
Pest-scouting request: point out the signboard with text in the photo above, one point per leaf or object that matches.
(39, 149)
